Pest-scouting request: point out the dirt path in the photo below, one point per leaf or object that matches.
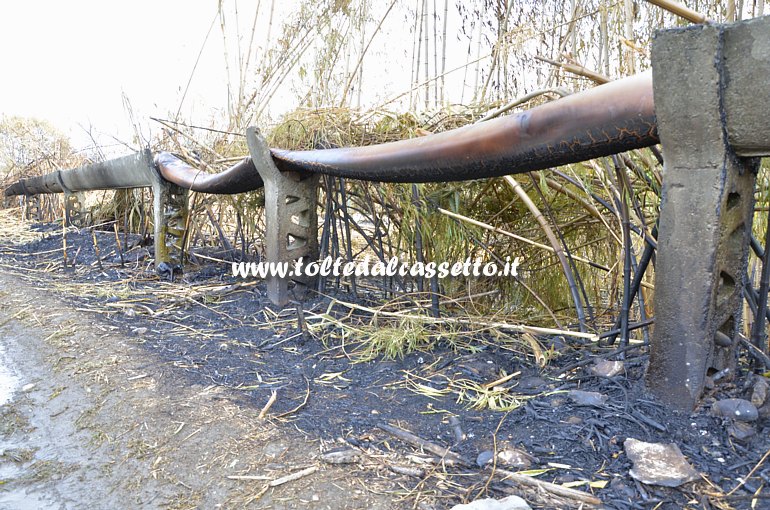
(95, 422)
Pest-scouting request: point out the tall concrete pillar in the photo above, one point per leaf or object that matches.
(291, 219)
(705, 217)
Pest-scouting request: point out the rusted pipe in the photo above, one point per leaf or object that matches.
(607, 119)
(239, 178)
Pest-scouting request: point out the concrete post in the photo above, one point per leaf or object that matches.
(74, 213)
(73, 204)
(290, 217)
(705, 217)
(33, 210)
(170, 219)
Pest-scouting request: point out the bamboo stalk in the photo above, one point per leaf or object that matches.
(226, 58)
(556, 247)
(563, 242)
(268, 405)
(589, 207)
(758, 334)
(363, 53)
(294, 476)
(443, 48)
(649, 251)
(419, 442)
(626, 306)
(118, 246)
(498, 230)
(435, 56)
(682, 10)
(426, 72)
(268, 34)
(418, 235)
(515, 328)
(326, 228)
(521, 100)
(346, 220)
(548, 487)
(64, 238)
(629, 29)
(96, 250)
(578, 70)
(364, 5)
(641, 299)
(416, 45)
(604, 40)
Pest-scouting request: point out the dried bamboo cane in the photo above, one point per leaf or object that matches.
(487, 226)
(118, 246)
(758, 334)
(557, 248)
(681, 10)
(626, 223)
(97, 251)
(64, 238)
(343, 207)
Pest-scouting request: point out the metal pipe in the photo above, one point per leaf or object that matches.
(134, 171)
(239, 178)
(607, 119)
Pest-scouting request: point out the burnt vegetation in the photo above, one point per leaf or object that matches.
(473, 365)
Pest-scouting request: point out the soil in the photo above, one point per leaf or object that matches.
(131, 392)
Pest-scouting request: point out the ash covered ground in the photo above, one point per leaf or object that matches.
(209, 329)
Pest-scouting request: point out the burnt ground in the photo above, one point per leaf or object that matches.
(210, 330)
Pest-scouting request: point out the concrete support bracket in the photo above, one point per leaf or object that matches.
(74, 212)
(33, 210)
(290, 217)
(705, 217)
(170, 220)
(74, 215)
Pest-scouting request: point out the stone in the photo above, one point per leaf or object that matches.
(507, 503)
(341, 456)
(759, 391)
(291, 221)
(587, 398)
(658, 463)
(606, 368)
(736, 408)
(514, 458)
(574, 420)
(741, 430)
(485, 458)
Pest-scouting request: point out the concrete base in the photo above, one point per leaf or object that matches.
(291, 219)
(705, 218)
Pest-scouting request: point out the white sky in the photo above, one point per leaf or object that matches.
(71, 61)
